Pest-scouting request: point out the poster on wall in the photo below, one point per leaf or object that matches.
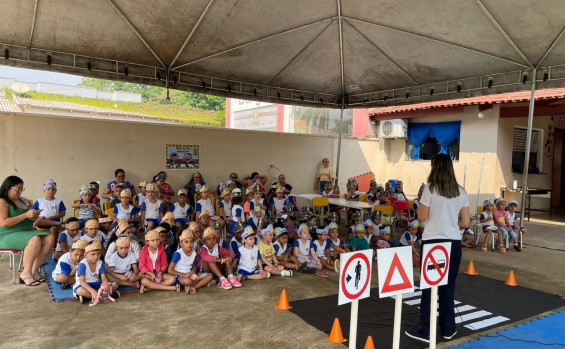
(183, 156)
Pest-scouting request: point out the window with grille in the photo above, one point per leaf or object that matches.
(519, 150)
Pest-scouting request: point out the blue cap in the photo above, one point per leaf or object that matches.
(248, 232)
(359, 227)
(513, 202)
(331, 226)
(414, 224)
(280, 231)
(49, 184)
(368, 223)
(321, 231)
(303, 227)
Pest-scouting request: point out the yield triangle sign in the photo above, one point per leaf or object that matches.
(395, 261)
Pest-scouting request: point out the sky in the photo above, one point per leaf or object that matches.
(31, 75)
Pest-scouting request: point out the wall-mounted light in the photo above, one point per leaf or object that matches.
(480, 115)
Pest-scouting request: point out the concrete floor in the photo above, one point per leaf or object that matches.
(238, 318)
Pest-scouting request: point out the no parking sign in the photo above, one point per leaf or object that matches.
(355, 276)
(435, 265)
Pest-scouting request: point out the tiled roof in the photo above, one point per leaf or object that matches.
(8, 106)
(22, 103)
(512, 97)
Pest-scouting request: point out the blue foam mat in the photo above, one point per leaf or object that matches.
(55, 292)
(544, 332)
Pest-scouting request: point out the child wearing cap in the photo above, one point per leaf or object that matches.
(257, 206)
(277, 203)
(373, 190)
(64, 272)
(357, 218)
(247, 204)
(513, 220)
(91, 275)
(268, 257)
(322, 248)
(305, 253)
(51, 209)
(217, 260)
(153, 266)
(410, 238)
(204, 203)
(237, 211)
(389, 192)
(399, 192)
(94, 190)
(122, 264)
(67, 238)
(368, 224)
(141, 196)
(383, 241)
(327, 192)
(225, 205)
(358, 242)
(282, 250)
(124, 209)
(501, 221)
(91, 232)
(151, 208)
(249, 257)
(123, 230)
(236, 241)
(86, 209)
(105, 226)
(181, 210)
(487, 223)
(334, 244)
(115, 198)
(183, 265)
(163, 230)
(376, 220)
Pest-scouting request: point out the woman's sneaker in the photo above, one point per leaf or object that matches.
(225, 284)
(232, 280)
(417, 335)
(286, 273)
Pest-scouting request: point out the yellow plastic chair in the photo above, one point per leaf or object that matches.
(75, 209)
(322, 203)
(106, 206)
(210, 195)
(364, 198)
(30, 202)
(388, 211)
(109, 212)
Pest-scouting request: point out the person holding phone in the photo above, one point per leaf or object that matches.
(16, 230)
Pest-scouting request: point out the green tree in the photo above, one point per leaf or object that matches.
(158, 94)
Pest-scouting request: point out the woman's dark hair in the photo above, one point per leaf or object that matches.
(8, 183)
(201, 178)
(119, 171)
(71, 219)
(253, 174)
(442, 177)
(237, 200)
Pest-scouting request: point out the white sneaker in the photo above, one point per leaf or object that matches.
(336, 265)
(286, 273)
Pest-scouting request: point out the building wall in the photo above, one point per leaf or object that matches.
(74, 152)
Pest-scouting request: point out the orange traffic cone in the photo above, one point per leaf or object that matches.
(563, 296)
(283, 301)
(369, 344)
(511, 280)
(471, 269)
(335, 335)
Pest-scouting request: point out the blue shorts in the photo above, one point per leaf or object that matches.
(94, 285)
(245, 272)
(183, 221)
(156, 221)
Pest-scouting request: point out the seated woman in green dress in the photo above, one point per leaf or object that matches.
(16, 230)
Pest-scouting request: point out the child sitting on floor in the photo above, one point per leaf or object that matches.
(409, 238)
(237, 211)
(383, 240)
(335, 245)
(358, 242)
(153, 266)
(357, 218)
(122, 265)
(282, 250)
(267, 251)
(323, 249)
(369, 234)
(91, 232)
(51, 209)
(217, 260)
(151, 208)
(305, 252)
(67, 238)
(236, 241)
(250, 266)
(184, 265)
(91, 275)
(181, 210)
(64, 272)
(513, 220)
(123, 230)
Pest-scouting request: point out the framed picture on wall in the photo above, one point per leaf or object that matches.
(182, 157)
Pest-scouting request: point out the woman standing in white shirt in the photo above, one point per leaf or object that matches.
(445, 206)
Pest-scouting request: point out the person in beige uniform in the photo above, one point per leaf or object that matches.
(325, 174)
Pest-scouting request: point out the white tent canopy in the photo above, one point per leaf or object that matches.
(331, 53)
(373, 52)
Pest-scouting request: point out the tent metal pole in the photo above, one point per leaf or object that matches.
(528, 149)
(341, 63)
(339, 143)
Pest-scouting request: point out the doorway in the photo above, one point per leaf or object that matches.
(558, 179)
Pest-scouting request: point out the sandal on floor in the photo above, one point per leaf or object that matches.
(41, 278)
(321, 274)
(501, 249)
(177, 288)
(189, 290)
(33, 283)
(142, 289)
(484, 248)
(64, 285)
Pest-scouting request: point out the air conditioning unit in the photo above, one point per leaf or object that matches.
(395, 128)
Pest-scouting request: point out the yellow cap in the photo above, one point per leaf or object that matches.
(91, 224)
(152, 235)
(193, 225)
(126, 193)
(205, 212)
(93, 246)
(79, 244)
(123, 242)
(209, 232)
(122, 226)
(186, 234)
(73, 225)
(168, 215)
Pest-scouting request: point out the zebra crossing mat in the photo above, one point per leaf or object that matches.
(481, 303)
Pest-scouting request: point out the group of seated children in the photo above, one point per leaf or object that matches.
(501, 221)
